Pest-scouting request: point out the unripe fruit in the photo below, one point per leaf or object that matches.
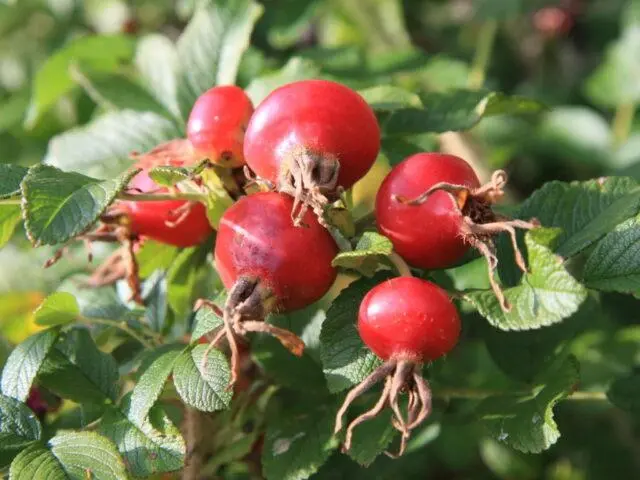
(217, 123)
(312, 138)
(408, 318)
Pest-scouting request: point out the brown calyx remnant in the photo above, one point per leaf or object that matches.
(399, 375)
(311, 178)
(480, 223)
(247, 305)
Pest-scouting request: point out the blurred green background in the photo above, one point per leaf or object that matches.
(579, 57)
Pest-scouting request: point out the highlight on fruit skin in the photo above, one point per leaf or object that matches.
(268, 265)
(406, 321)
(312, 139)
(433, 209)
(217, 124)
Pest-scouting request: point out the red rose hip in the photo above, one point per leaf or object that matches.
(269, 265)
(312, 138)
(433, 209)
(408, 318)
(406, 321)
(217, 123)
(172, 222)
(425, 235)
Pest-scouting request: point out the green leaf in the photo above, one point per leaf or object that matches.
(614, 81)
(525, 421)
(19, 427)
(453, 111)
(82, 452)
(59, 205)
(10, 178)
(24, 363)
(158, 63)
(10, 217)
(523, 355)
(295, 69)
(168, 176)
(372, 438)
(203, 386)
(211, 46)
(71, 455)
(53, 79)
(151, 382)
(12, 109)
(614, 264)
(77, 370)
(117, 92)
(299, 373)
(183, 276)
(206, 320)
(366, 257)
(155, 446)
(37, 459)
(624, 393)
(154, 256)
(547, 294)
(346, 361)
(389, 98)
(58, 308)
(505, 462)
(102, 148)
(586, 211)
(296, 445)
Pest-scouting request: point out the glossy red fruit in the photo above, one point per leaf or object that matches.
(408, 318)
(324, 120)
(257, 241)
(155, 219)
(217, 124)
(426, 235)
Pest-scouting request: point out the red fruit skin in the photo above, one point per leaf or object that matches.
(323, 117)
(410, 319)
(426, 235)
(257, 239)
(148, 219)
(217, 123)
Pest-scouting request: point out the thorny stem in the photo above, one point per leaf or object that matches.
(400, 265)
(482, 54)
(123, 327)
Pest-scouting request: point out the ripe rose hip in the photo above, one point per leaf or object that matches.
(408, 318)
(433, 209)
(173, 222)
(269, 265)
(217, 124)
(405, 321)
(128, 222)
(311, 138)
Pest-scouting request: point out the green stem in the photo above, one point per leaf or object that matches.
(364, 221)
(400, 264)
(622, 122)
(10, 201)
(160, 197)
(120, 326)
(479, 394)
(483, 54)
